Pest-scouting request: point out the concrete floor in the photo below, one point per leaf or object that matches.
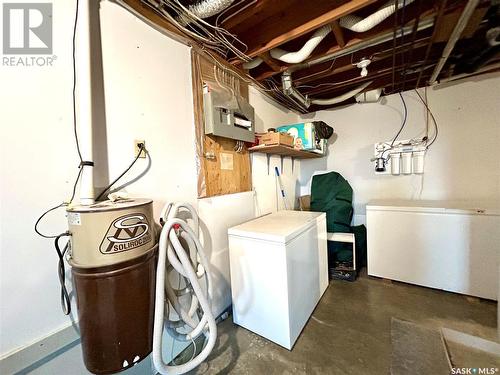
(350, 330)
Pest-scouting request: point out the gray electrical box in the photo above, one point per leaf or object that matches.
(228, 115)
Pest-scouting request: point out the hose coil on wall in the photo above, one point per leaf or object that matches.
(192, 265)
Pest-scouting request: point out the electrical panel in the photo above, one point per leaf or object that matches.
(228, 115)
(404, 157)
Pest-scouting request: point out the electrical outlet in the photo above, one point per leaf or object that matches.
(137, 149)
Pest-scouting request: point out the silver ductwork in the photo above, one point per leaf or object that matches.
(209, 8)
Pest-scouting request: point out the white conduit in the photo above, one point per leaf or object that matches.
(182, 261)
(351, 22)
(305, 51)
(341, 98)
(360, 25)
(294, 57)
(209, 8)
(252, 63)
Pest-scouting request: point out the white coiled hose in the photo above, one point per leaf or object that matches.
(182, 261)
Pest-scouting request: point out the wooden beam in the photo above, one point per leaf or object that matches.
(310, 25)
(339, 35)
(273, 64)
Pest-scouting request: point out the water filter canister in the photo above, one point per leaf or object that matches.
(395, 163)
(406, 162)
(418, 162)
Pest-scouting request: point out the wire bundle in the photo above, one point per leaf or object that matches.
(212, 36)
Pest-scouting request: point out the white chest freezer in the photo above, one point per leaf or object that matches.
(438, 244)
(279, 271)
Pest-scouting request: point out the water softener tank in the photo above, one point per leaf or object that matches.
(113, 259)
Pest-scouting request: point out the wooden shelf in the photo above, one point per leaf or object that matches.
(285, 151)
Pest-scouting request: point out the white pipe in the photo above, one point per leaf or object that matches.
(341, 98)
(305, 51)
(360, 25)
(84, 102)
(297, 56)
(166, 246)
(252, 63)
(453, 39)
(209, 8)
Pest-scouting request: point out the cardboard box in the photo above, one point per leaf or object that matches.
(304, 135)
(273, 139)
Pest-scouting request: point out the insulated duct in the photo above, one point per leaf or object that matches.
(209, 8)
(305, 51)
(343, 97)
(351, 22)
(376, 40)
(360, 25)
(252, 63)
(294, 57)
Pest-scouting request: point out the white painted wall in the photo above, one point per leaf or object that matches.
(463, 164)
(148, 96)
(267, 195)
(37, 168)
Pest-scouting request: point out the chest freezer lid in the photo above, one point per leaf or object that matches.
(438, 207)
(281, 226)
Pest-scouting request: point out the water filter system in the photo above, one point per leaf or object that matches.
(405, 157)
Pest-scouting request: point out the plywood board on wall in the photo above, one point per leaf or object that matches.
(221, 170)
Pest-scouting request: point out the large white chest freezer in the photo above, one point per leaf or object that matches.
(279, 271)
(444, 245)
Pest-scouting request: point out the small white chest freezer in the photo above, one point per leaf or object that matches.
(279, 271)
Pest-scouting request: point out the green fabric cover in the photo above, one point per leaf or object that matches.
(332, 194)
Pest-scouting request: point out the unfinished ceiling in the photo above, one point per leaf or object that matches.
(309, 55)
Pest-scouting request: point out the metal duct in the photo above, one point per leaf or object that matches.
(209, 8)
(360, 25)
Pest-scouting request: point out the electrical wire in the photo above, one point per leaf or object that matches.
(75, 24)
(64, 204)
(405, 116)
(404, 120)
(141, 149)
(215, 37)
(436, 130)
(61, 270)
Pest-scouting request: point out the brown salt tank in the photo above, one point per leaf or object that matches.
(116, 311)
